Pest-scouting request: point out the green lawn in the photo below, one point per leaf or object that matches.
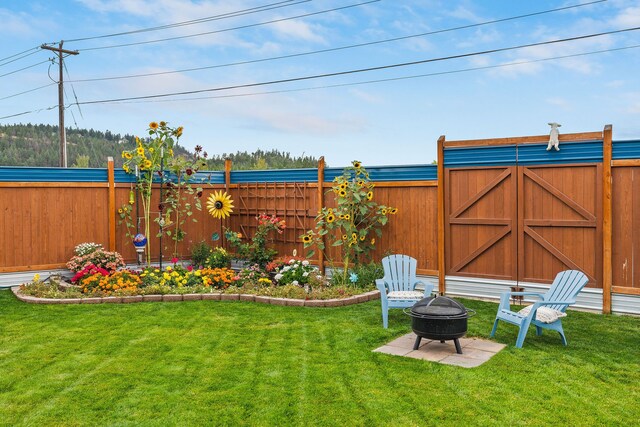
(237, 363)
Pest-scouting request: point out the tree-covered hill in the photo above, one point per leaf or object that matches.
(38, 145)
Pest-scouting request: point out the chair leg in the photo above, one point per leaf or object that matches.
(495, 327)
(561, 332)
(538, 330)
(524, 327)
(385, 313)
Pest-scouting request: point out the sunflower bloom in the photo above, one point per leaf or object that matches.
(347, 217)
(342, 193)
(356, 164)
(153, 125)
(373, 241)
(330, 218)
(306, 239)
(140, 151)
(179, 131)
(370, 195)
(147, 164)
(220, 205)
(127, 155)
(163, 124)
(393, 211)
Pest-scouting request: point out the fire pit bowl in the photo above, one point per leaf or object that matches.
(439, 318)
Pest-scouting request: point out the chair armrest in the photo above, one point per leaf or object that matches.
(428, 288)
(570, 302)
(382, 287)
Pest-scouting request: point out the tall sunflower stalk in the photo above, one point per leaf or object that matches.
(354, 222)
(148, 157)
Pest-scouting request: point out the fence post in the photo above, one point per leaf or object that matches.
(320, 205)
(441, 213)
(227, 173)
(607, 272)
(112, 203)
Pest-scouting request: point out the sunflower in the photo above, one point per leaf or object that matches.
(153, 125)
(370, 195)
(344, 237)
(219, 205)
(163, 124)
(361, 183)
(373, 241)
(147, 164)
(140, 151)
(347, 217)
(343, 186)
(362, 238)
(137, 140)
(393, 211)
(330, 218)
(342, 193)
(306, 239)
(179, 131)
(354, 236)
(356, 164)
(120, 210)
(127, 155)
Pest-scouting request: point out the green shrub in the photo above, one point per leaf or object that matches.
(200, 253)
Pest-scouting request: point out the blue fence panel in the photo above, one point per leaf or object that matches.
(570, 152)
(626, 149)
(275, 175)
(501, 155)
(37, 174)
(392, 173)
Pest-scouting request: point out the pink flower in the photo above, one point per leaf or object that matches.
(190, 268)
(174, 260)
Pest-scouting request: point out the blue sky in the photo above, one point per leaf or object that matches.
(393, 122)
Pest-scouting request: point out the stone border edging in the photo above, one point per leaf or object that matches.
(336, 302)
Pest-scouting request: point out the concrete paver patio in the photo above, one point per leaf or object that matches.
(475, 351)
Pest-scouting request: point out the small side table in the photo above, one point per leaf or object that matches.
(517, 299)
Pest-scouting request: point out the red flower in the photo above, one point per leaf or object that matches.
(174, 260)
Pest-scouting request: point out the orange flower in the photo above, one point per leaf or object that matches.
(153, 125)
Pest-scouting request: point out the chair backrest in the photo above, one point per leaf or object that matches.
(565, 287)
(399, 272)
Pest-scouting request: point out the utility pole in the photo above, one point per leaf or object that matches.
(63, 136)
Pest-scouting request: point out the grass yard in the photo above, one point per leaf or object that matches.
(237, 363)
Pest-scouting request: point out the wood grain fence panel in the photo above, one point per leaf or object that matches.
(480, 214)
(560, 210)
(626, 223)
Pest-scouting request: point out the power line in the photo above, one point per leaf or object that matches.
(362, 70)
(19, 58)
(29, 112)
(439, 73)
(35, 49)
(262, 8)
(25, 68)
(27, 91)
(232, 28)
(337, 48)
(75, 96)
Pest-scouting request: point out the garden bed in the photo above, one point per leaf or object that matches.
(212, 296)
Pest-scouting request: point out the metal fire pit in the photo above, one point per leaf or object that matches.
(439, 318)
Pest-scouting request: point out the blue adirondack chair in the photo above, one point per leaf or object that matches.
(561, 294)
(397, 287)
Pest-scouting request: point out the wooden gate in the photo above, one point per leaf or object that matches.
(480, 227)
(558, 226)
(520, 213)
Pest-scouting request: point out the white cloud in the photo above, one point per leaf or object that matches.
(297, 30)
(465, 14)
(628, 17)
(615, 83)
(560, 102)
(365, 96)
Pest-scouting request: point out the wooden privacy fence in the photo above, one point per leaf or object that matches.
(497, 209)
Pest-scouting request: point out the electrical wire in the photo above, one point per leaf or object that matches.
(73, 89)
(232, 28)
(25, 68)
(29, 112)
(294, 55)
(363, 70)
(19, 58)
(36, 49)
(262, 8)
(27, 91)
